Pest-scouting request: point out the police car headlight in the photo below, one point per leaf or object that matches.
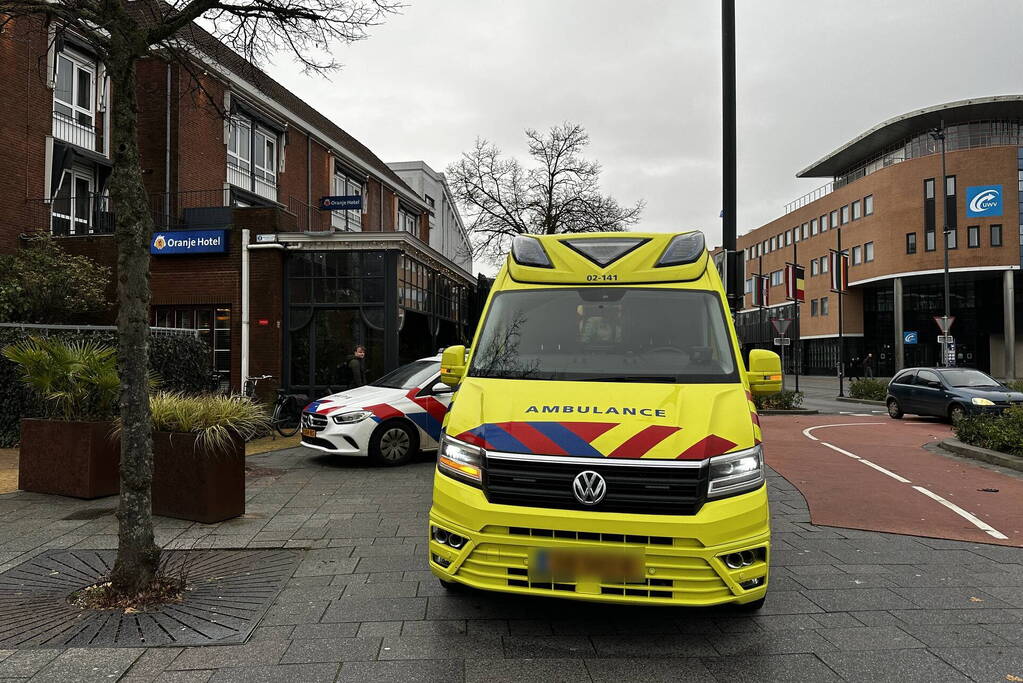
(736, 473)
(461, 460)
(350, 418)
(983, 402)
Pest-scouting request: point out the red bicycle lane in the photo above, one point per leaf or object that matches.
(875, 474)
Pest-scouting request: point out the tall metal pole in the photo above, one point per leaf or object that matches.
(939, 134)
(728, 192)
(841, 336)
(797, 348)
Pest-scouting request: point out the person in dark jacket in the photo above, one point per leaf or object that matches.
(357, 367)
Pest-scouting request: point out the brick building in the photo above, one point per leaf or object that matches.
(236, 171)
(880, 208)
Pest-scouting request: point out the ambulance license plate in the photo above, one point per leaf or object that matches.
(570, 565)
(308, 431)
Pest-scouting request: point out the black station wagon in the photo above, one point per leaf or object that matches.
(947, 392)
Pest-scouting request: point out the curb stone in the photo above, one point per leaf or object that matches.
(985, 454)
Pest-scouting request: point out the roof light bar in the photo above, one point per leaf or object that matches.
(683, 249)
(528, 251)
(605, 250)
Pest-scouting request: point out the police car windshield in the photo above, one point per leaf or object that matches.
(409, 376)
(606, 334)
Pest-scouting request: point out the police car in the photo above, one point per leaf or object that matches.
(389, 420)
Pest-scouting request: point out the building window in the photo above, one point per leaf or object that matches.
(813, 308)
(856, 210)
(813, 226)
(929, 188)
(408, 222)
(748, 288)
(973, 236)
(868, 205)
(929, 240)
(834, 219)
(824, 264)
(795, 234)
(824, 223)
(845, 214)
(824, 305)
(952, 238)
(788, 237)
(74, 100)
(806, 231)
(777, 277)
(857, 255)
(429, 202)
(813, 267)
(349, 220)
(996, 235)
(213, 324)
(910, 242)
(773, 242)
(950, 186)
(252, 157)
(868, 252)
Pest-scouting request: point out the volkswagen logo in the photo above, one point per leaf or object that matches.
(589, 487)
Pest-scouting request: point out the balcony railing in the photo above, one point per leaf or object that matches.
(69, 130)
(86, 214)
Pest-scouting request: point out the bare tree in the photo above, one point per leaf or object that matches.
(121, 32)
(561, 193)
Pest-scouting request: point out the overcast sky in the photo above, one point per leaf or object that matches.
(644, 77)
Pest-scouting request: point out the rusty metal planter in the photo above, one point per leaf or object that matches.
(78, 459)
(196, 484)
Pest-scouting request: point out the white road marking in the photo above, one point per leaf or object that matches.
(884, 471)
(807, 432)
(975, 521)
(972, 519)
(843, 412)
(843, 452)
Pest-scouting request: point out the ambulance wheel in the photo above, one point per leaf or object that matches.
(393, 443)
(453, 586)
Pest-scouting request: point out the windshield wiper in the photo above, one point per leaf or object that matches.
(652, 379)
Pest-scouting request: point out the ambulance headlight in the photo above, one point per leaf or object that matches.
(460, 460)
(683, 249)
(736, 473)
(350, 418)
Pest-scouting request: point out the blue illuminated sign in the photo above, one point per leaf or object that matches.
(351, 202)
(188, 242)
(984, 200)
(910, 338)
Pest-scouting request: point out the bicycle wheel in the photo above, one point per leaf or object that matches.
(286, 418)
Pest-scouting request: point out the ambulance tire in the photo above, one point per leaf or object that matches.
(453, 586)
(752, 606)
(393, 443)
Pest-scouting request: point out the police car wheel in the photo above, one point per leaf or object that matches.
(393, 443)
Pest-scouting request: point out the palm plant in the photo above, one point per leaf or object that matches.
(213, 418)
(77, 380)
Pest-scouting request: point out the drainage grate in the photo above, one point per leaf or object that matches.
(230, 590)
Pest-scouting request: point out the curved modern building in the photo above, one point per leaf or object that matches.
(883, 208)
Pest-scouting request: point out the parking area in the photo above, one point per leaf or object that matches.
(844, 604)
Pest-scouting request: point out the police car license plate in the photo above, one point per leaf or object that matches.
(625, 565)
(308, 431)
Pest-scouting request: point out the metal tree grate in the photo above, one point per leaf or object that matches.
(228, 593)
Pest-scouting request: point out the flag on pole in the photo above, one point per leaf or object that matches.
(839, 271)
(795, 282)
(760, 294)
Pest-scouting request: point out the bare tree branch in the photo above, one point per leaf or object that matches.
(501, 199)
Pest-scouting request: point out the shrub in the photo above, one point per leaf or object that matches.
(783, 400)
(868, 389)
(180, 363)
(1015, 385)
(213, 417)
(76, 380)
(997, 432)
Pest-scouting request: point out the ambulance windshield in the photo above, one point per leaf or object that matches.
(606, 334)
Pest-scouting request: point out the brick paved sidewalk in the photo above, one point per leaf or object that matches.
(843, 605)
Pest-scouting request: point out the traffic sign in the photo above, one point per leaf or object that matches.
(946, 339)
(781, 325)
(910, 337)
(944, 324)
(782, 341)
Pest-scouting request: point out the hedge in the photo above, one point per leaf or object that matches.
(997, 432)
(783, 400)
(181, 363)
(868, 389)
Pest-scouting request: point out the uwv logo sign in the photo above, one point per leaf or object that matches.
(984, 200)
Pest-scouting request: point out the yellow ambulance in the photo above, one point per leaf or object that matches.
(602, 443)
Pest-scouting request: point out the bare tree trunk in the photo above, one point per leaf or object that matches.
(137, 553)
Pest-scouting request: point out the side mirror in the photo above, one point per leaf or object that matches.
(452, 365)
(440, 388)
(764, 372)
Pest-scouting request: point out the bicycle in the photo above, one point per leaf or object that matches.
(286, 417)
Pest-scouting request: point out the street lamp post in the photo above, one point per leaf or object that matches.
(939, 134)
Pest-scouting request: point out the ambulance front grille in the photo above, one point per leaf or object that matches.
(642, 489)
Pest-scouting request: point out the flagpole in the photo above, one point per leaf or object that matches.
(839, 276)
(797, 349)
